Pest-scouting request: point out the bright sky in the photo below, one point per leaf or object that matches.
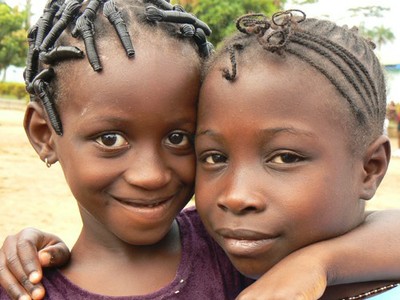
(337, 11)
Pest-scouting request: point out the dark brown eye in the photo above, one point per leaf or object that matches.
(111, 140)
(176, 138)
(286, 158)
(179, 140)
(215, 159)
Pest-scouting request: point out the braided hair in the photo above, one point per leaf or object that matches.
(64, 21)
(346, 59)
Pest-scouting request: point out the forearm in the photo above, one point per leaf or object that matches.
(369, 252)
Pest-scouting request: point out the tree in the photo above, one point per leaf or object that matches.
(380, 35)
(13, 46)
(220, 15)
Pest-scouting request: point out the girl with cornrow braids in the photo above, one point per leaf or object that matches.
(290, 145)
(114, 86)
(122, 127)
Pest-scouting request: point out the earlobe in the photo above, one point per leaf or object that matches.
(376, 161)
(39, 132)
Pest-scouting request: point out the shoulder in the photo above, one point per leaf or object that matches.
(212, 275)
(189, 218)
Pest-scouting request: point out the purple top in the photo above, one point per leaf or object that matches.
(204, 272)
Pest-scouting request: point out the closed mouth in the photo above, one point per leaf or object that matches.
(243, 242)
(243, 234)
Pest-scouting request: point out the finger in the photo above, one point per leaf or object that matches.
(20, 258)
(26, 262)
(53, 252)
(54, 256)
(8, 281)
(17, 282)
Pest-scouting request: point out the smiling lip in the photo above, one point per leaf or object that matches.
(152, 208)
(244, 242)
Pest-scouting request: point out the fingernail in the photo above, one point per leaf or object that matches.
(45, 258)
(24, 297)
(34, 277)
(37, 294)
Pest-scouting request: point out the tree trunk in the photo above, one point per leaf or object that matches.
(3, 79)
(28, 9)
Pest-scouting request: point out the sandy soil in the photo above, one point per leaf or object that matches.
(33, 195)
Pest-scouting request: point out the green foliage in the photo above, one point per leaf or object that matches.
(301, 2)
(13, 46)
(220, 15)
(13, 89)
(369, 11)
(380, 35)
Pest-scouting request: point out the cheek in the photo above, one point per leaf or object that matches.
(205, 196)
(88, 176)
(320, 212)
(185, 169)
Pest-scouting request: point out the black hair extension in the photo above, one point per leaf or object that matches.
(41, 88)
(155, 14)
(48, 39)
(67, 16)
(61, 53)
(84, 27)
(114, 16)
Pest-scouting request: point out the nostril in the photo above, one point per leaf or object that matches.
(222, 207)
(241, 205)
(249, 209)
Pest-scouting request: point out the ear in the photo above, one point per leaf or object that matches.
(376, 161)
(39, 132)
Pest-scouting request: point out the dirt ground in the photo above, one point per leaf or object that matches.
(33, 195)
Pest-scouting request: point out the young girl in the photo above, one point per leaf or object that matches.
(289, 142)
(122, 130)
(124, 146)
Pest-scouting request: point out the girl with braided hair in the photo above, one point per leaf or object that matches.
(122, 135)
(121, 127)
(290, 146)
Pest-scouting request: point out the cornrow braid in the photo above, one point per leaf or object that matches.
(62, 20)
(346, 59)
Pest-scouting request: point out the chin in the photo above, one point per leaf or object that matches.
(250, 269)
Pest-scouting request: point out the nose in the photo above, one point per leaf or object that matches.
(148, 171)
(242, 195)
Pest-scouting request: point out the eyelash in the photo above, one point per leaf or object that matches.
(288, 154)
(111, 147)
(184, 142)
(213, 155)
(215, 158)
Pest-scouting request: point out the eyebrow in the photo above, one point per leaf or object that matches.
(289, 129)
(264, 132)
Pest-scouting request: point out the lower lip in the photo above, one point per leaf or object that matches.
(247, 247)
(152, 212)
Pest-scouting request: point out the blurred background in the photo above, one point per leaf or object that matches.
(376, 19)
(32, 195)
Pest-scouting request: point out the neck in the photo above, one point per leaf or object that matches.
(115, 263)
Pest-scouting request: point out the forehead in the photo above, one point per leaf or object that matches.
(283, 77)
(154, 69)
(268, 87)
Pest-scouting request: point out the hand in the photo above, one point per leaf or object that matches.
(21, 262)
(297, 276)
